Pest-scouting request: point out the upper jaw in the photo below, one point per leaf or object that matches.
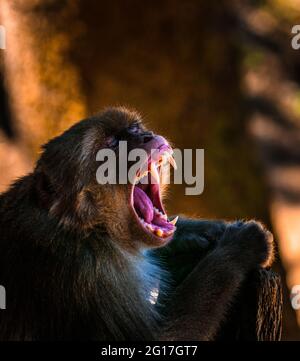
(156, 150)
(157, 142)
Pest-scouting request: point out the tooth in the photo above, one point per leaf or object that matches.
(154, 173)
(159, 232)
(159, 213)
(140, 175)
(172, 161)
(149, 227)
(174, 221)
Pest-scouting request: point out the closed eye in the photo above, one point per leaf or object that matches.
(135, 128)
(112, 142)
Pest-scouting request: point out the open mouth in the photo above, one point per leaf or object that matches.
(146, 195)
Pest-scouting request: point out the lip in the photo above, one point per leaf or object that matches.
(159, 227)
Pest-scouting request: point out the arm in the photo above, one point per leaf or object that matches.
(200, 303)
(256, 314)
(193, 239)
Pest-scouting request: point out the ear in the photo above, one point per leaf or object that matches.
(75, 210)
(85, 208)
(43, 188)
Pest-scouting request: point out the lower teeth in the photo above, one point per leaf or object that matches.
(150, 227)
(158, 231)
(159, 213)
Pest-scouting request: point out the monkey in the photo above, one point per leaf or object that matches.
(79, 260)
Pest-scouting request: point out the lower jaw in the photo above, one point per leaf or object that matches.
(152, 241)
(154, 237)
(159, 228)
(162, 231)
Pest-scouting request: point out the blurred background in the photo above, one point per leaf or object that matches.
(217, 75)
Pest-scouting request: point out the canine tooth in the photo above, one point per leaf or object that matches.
(174, 221)
(159, 232)
(172, 161)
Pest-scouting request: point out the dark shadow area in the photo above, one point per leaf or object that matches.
(6, 122)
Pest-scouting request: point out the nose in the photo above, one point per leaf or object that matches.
(147, 136)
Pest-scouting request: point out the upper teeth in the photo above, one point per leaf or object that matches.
(139, 177)
(172, 160)
(153, 168)
(154, 173)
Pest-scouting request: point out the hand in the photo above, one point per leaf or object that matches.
(250, 242)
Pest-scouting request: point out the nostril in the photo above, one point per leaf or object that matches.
(147, 137)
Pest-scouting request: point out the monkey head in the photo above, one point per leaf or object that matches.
(130, 214)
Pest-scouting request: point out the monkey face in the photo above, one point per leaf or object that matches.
(132, 213)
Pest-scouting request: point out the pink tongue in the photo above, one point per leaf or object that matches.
(162, 223)
(143, 204)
